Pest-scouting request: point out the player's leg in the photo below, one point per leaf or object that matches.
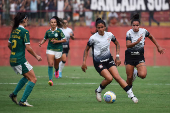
(108, 79)
(62, 63)
(141, 70)
(114, 72)
(57, 60)
(50, 59)
(129, 73)
(29, 87)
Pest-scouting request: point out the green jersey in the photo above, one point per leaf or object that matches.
(18, 38)
(57, 34)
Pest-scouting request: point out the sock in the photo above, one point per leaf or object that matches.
(27, 91)
(61, 66)
(131, 86)
(135, 72)
(20, 84)
(100, 88)
(56, 69)
(129, 91)
(50, 72)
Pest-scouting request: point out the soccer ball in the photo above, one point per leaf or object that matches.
(109, 97)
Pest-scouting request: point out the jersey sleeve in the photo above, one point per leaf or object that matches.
(10, 39)
(26, 37)
(146, 33)
(46, 36)
(113, 38)
(90, 42)
(62, 35)
(128, 36)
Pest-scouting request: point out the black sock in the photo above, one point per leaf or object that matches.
(126, 88)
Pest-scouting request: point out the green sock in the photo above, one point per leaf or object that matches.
(20, 84)
(50, 72)
(27, 91)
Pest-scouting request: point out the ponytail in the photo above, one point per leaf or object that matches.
(18, 19)
(60, 22)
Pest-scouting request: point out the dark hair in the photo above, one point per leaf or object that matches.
(135, 18)
(60, 22)
(18, 19)
(98, 21)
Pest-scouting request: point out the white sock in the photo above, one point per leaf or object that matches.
(99, 89)
(130, 93)
(135, 72)
(61, 66)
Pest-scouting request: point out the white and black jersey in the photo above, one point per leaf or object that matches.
(67, 32)
(135, 55)
(133, 37)
(101, 46)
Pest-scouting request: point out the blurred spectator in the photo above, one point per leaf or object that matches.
(113, 18)
(124, 21)
(12, 9)
(68, 10)
(33, 9)
(88, 13)
(1, 10)
(41, 11)
(18, 3)
(81, 13)
(51, 8)
(27, 7)
(75, 11)
(60, 9)
(151, 17)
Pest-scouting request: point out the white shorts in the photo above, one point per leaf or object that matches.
(23, 68)
(56, 54)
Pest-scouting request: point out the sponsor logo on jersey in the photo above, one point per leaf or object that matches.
(100, 66)
(56, 35)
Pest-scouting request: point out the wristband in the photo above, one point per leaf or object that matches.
(117, 55)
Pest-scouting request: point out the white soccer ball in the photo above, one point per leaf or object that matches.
(109, 97)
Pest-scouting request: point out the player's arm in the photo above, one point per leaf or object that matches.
(72, 36)
(159, 48)
(117, 60)
(42, 42)
(84, 67)
(30, 50)
(58, 41)
(129, 44)
(9, 46)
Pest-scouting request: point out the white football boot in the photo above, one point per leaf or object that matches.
(98, 96)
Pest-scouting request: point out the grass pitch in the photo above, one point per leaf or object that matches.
(74, 92)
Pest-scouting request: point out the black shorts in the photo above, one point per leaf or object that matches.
(66, 49)
(99, 66)
(133, 59)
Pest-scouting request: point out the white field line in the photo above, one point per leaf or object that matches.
(86, 84)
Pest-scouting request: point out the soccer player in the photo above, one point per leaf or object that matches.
(54, 49)
(68, 34)
(134, 55)
(18, 41)
(103, 61)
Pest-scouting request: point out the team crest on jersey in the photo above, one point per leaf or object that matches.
(56, 35)
(100, 66)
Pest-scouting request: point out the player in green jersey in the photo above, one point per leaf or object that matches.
(54, 49)
(17, 43)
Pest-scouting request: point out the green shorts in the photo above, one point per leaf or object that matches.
(22, 68)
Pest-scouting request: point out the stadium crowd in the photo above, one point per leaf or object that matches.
(75, 11)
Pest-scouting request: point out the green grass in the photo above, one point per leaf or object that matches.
(74, 93)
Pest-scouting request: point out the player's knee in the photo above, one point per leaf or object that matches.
(142, 75)
(50, 64)
(110, 79)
